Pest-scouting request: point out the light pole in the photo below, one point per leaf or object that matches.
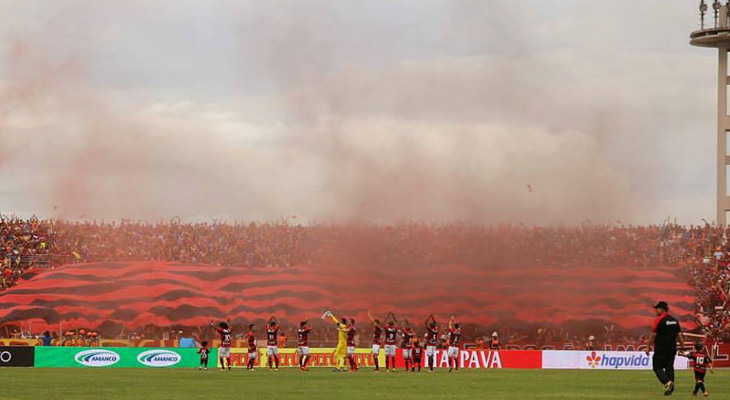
(718, 36)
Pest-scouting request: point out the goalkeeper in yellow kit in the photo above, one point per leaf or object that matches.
(341, 341)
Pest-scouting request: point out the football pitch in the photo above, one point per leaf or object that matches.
(112, 384)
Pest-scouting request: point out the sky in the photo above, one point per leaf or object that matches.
(490, 111)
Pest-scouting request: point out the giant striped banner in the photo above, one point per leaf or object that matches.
(164, 294)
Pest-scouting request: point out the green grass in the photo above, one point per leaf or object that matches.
(154, 384)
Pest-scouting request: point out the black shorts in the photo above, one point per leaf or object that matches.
(700, 376)
(664, 359)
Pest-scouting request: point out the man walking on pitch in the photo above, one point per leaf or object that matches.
(663, 337)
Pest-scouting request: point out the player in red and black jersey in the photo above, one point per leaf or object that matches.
(224, 350)
(432, 338)
(272, 348)
(377, 333)
(203, 351)
(351, 332)
(454, 341)
(252, 351)
(701, 360)
(417, 353)
(406, 345)
(391, 333)
(303, 344)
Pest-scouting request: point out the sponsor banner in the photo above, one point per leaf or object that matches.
(17, 356)
(474, 359)
(531, 359)
(108, 357)
(325, 357)
(289, 357)
(117, 357)
(488, 359)
(624, 360)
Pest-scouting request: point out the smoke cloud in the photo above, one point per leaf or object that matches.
(346, 112)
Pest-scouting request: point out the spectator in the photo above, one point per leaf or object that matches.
(494, 343)
(590, 344)
(46, 338)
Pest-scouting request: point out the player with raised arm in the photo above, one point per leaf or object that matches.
(391, 333)
(432, 334)
(224, 350)
(454, 339)
(303, 344)
(272, 349)
(406, 346)
(377, 333)
(701, 360)
(252, 351)
(341, 349)
(351, 332)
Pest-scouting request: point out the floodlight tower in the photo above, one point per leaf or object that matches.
(716, 34)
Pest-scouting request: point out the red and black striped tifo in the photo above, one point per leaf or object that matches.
(167, 294)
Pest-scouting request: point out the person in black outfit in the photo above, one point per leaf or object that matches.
(663, 337)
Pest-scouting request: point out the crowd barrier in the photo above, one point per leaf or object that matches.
(123, 357)
(721, 352)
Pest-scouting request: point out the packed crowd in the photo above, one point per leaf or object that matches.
(709, 274)
(276, 244)
(23, 247)
(281, 243)
(503, 245)
(33, 244)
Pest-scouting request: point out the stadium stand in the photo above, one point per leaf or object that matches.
(694, 255)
